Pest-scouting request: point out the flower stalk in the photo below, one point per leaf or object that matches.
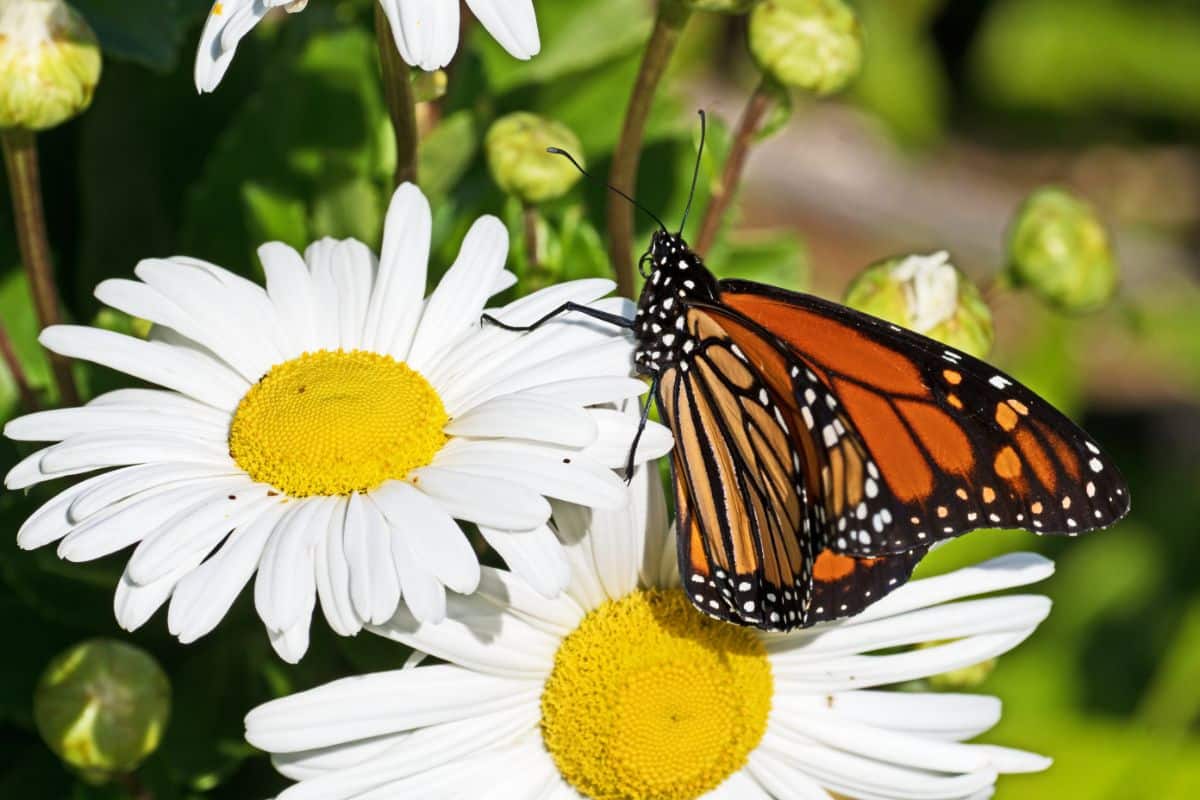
(398, 91)
(21, 160)
(756, 111)
(8, 353)
(668, 26)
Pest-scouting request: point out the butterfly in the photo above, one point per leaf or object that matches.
(820, 452)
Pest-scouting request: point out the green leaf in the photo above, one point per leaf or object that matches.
(151, 32)
(446, 154)
(275, 216)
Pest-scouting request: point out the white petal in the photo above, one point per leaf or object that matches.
(135, 603)
(412, 753)
(479, 353)
(430, 535)
(618, 536)
(100, 449)
(227, 23)
(333, 575)
(374, 585)
(512, 23)
(184, 371)
(423, 594)
(61, 423)
(292, 644)
(544, 469)
(524, 417)
(939, 715)
(610, 358)
(531, 773)
(856, 672)
(856, 776)
(290, 287)
(321, 264)
(286, 586)
(572, 523)
(946, 621)
(384, 702)
(557, 616)
(535, 555)
(456, 304)
(204, 597)
(354, 274)
(400, 286)
(425, 31)
(617, 432)
(234, 315)
(126, 482)
(198, 529)
(478, 635)
(589, 391)
(783, 780)
(489, 501)
(1004, 572)
(121, 525)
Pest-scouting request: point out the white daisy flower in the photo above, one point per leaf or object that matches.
(426, 31)
(328, 430)
(620, 689)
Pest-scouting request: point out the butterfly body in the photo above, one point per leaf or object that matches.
(820, 452)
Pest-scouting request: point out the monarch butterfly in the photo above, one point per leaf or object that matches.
(820, 451)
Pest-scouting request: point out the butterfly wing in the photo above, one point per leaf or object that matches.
(744, 473)
(916, 441)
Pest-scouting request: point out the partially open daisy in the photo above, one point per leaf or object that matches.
(328, 430)
(426, 31)
(621, 690)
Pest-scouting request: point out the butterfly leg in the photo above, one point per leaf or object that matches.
(603, 316)
(637, 437)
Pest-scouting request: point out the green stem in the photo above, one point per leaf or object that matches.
(530, 217)
(667, 28)
(397, 89)
(21, 159)
(9, 354)
(753, 115)
(134, 786)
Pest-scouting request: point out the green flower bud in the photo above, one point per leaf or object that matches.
(929, 295)
(1059, 249)
(516, 153)
(429, 86)
(721, 6)
(102, 706)
(49, 64)
(814, 45)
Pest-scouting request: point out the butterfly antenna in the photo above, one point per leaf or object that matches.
(560, 152)
(695, 173)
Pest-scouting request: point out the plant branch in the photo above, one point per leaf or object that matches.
(397, 89)
(667, 27)
(21, 159)
(530, 216)
(8, 353)
(755, 111)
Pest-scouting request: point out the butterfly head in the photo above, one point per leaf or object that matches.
(675, 277)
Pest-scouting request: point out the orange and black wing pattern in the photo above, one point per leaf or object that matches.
(748, 495)
(913, 441)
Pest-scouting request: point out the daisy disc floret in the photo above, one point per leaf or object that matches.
(326, 432)
(426, 32)
(620, 690)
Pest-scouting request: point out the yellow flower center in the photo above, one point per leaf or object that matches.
(334, 423)
(650, 698)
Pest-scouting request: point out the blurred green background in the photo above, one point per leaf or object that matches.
(962, 109)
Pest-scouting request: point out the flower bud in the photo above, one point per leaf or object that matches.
(49, 64)
(516, 153)
(102, 706)
(814, 45)
(1059, 249)
(721, 6)
(929, 295)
